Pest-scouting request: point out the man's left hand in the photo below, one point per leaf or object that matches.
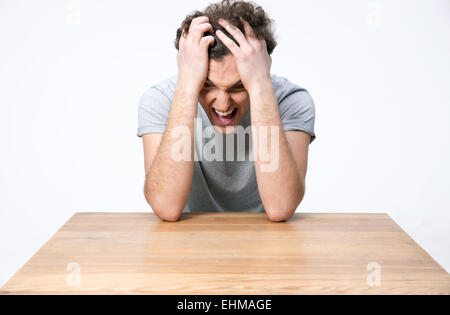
(252, 58)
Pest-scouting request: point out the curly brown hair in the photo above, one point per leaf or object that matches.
(231, 10)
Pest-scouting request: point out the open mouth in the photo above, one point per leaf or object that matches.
(225, 118)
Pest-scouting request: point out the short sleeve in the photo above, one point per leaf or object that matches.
(297, 111)
(153, 113)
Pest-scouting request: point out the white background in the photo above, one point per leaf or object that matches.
(72, 73)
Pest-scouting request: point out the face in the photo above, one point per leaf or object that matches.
(223, 96)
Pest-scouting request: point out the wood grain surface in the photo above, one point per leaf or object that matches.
(230, 253)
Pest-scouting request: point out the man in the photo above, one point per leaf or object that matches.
(224, 82)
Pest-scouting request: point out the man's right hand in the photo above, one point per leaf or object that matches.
(192, 58)
(168, 182)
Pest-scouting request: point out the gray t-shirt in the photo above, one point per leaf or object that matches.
(224, 184)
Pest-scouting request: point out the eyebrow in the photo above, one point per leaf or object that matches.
(234, 85)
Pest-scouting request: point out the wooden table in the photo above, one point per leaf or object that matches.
(230, 253)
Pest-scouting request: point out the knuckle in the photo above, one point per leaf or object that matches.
(243, 58)
(206, 26)
(230, 28)
(198, 27)
(248, 52)
(200, 18)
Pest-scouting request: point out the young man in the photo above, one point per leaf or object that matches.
(224, 99)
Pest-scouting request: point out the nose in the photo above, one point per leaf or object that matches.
(223, 101)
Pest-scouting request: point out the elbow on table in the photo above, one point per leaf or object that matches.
(168, 214)
(166, 211)
(280, 213)
(169, 217)
(275, 215)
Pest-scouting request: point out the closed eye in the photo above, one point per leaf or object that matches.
(239, 87)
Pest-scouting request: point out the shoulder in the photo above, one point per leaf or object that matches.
(297, 109)
(289, 93)
(162, 90)
(154, 107)
(284, 87)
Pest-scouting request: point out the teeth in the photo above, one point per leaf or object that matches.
(224, 113)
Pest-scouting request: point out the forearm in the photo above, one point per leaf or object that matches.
(280, 186)
(168, 181)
